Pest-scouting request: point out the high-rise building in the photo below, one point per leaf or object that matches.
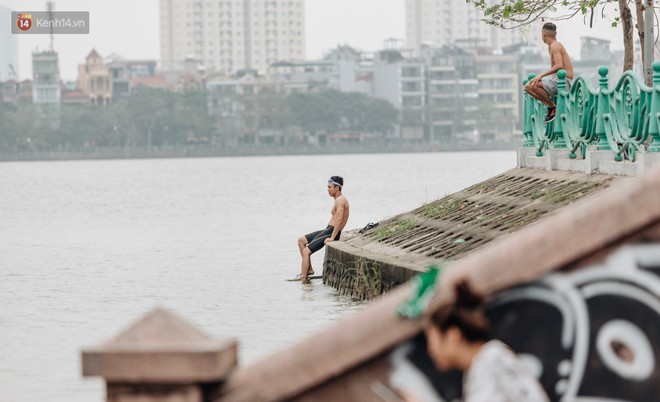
(451, 22)
(230, 35)
(9, 46)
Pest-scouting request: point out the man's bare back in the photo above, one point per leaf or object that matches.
(559, 58)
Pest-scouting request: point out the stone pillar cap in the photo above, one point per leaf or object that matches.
(161, 347)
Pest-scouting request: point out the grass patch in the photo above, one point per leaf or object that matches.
(441, 208)
(521, 220)
(394, 229)
(567, 193)
(537, 194)
(497, 214)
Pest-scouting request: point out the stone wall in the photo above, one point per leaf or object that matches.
(364, 265)
(362, 277)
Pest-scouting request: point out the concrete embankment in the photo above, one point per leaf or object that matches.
(366, 265)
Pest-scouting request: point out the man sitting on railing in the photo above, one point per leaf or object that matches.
(544, 86)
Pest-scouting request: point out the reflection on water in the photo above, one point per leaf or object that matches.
(86, 247)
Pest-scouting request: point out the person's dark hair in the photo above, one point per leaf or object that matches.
(550, 27)
(467, 314)
(338, 179)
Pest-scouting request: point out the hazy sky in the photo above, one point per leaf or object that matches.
(130, 28)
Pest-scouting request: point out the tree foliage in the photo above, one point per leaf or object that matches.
(146, 118)
(331, 110)
(157, 118)
(517, 13)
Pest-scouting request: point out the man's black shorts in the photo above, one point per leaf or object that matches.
(315, 240)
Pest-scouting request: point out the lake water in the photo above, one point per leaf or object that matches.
(86, 247)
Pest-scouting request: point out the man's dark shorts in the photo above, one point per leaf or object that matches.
(315, 240)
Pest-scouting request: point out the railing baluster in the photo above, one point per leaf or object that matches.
(559, 141)
(654, 113)
(624, 120)
(527, 112)
(603, 107)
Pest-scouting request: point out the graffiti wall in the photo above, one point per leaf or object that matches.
(589, 335)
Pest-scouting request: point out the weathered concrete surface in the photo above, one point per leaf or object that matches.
(366, 265)
(594, 162)
(160, 358)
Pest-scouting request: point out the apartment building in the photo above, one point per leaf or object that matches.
(453, 95)
(448, 22)
(226, 36)
(343, 68)
(499, 93)
(402, 82)
(305, 75)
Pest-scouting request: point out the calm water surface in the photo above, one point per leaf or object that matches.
(86, 247)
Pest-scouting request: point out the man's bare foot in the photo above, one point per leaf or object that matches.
(305, 280)
(310, 272)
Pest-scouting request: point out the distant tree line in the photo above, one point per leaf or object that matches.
(156, 118)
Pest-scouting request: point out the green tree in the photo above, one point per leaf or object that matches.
(331, 110)
(19, 127)
(313, 112)
(156, 117)
(380, 116)
(83, 126)
(516, 13)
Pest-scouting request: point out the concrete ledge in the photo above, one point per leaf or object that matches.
(522, 155)
(161, 348)
(595, 158)
(646, 161)
(370, 274)
(154, 393)
(578, 165)
(366, 265)
(594, 162)
(624, 168)
(552, 155)
(535, 162)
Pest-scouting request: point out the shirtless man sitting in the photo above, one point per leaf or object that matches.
(544, 86)
(313, 242)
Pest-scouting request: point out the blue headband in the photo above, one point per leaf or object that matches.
(330, 181)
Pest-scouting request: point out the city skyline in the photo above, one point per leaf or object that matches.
(132, 30)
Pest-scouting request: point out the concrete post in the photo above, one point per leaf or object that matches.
(552, 155)
(160, 358)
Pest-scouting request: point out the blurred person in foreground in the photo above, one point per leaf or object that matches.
(458, 337)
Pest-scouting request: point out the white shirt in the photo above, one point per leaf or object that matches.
(497, 375)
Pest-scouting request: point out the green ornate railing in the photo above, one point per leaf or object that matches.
(624, 119)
